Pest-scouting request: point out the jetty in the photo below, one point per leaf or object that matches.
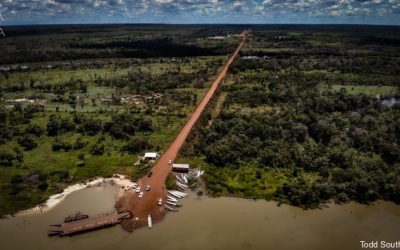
(89, 224)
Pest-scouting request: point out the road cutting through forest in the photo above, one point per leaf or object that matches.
(140, 208)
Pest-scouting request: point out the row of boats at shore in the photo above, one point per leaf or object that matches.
(182, 180)
(173, 196)
(171, 203)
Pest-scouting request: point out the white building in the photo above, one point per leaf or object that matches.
(151, 156)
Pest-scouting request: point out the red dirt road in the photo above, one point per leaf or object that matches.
(147, 205)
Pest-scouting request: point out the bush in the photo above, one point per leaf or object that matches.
(34, 130)
(97, 149)
(136, 145)
(27, 142)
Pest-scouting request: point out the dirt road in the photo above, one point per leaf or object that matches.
(147, 205)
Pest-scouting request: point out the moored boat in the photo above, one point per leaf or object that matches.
(149, 221)
(169, 208)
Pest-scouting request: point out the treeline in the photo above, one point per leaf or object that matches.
(164, 47)
(351, 143)
(143, 82)
(351, 64)
(34, 44)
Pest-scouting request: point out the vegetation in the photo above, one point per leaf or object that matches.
(62, 122)
(306, 122)
(309, 114)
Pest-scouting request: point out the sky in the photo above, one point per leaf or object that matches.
(14, 12)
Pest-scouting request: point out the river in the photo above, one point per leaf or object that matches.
(210, 223)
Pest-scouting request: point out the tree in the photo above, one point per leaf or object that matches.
(53, 125)
(97, 149)
(136, 145)
(27, 142)
(34, 130)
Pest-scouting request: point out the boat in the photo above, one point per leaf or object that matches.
(171, 203)
(174, 194)
(180, 183)
(181, 193)
(77, 216)
(171, 198)
(169, 208)
(178, 195)
(149, 222)
(182, 186)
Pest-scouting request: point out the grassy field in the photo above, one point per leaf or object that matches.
(367, 90)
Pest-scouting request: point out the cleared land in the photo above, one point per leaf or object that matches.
(147, 205)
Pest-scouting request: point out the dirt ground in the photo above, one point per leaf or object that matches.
(147, 205)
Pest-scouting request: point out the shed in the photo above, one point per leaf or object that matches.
(151, 155)
(182, 168)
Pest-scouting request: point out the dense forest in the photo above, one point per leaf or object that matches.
(306, 126)
(71, 42)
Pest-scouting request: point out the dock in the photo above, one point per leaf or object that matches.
(89, 224)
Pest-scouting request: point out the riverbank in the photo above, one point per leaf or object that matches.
(56, 199)
(247, 224)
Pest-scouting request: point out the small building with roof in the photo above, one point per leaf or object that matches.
(181, 168)
(151, 156)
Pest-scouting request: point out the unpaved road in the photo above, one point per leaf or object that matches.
(147, 205)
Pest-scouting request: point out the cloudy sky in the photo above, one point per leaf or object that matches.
(199, 11)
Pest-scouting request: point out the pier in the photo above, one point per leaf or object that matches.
(89, 224)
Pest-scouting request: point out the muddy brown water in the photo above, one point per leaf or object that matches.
(211, 223)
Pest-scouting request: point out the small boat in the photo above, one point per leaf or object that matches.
(171, 203)
(169, 208)
(175, 194)
(181, 185)
(179, 178)
(149, 222)
(180, 193)
(171, 198)
(77, 216)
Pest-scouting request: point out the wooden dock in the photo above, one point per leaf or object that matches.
(89, 224)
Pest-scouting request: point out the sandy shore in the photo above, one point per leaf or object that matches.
(55, 199)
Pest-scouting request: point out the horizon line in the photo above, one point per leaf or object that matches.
(232, 24)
